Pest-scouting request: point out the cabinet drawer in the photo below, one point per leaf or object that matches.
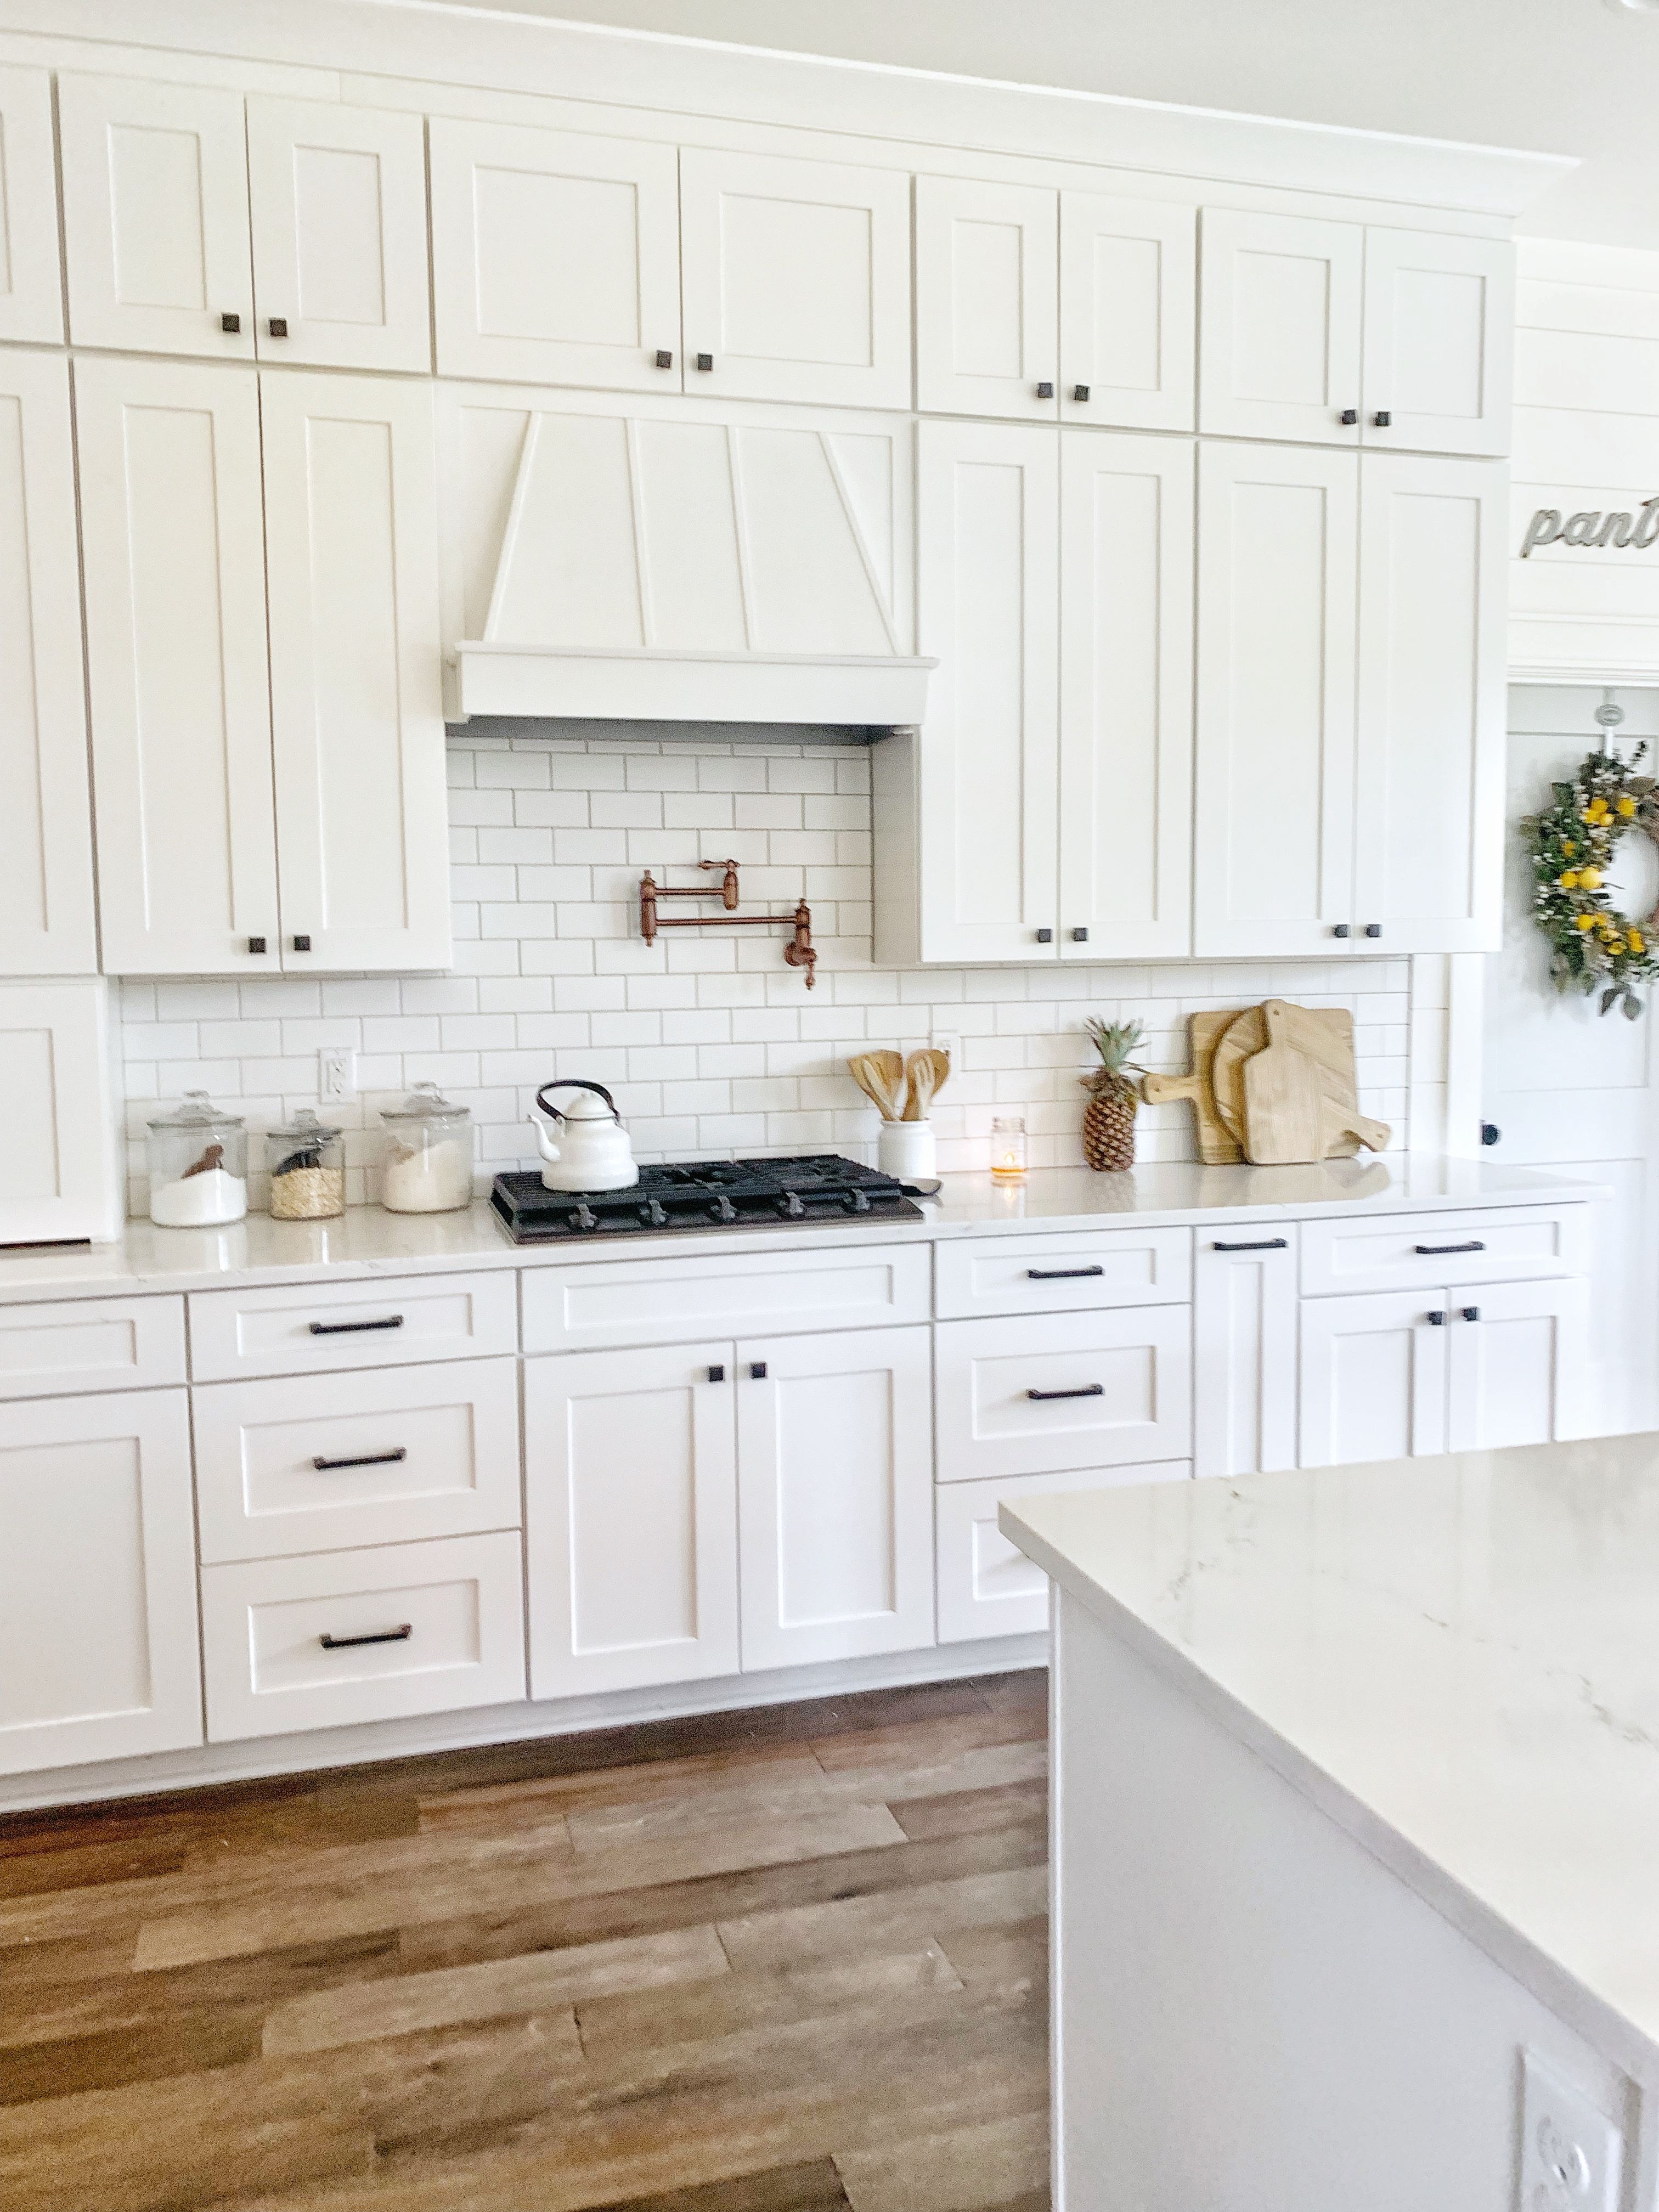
(623, 1302)
(326, 1460)
(986, 1586)
(90, 1344)
(1062, 1274)
(316, 1327)
(1047, 1393)
(1419, 1251)
(445, 1620)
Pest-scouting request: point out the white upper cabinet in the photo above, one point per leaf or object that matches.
(46, 916)
(30, 280)
(175, 598)
(555, 256)
(338, 202)
(988, 299)
(1439, 341)
(60, 1180)
(1274, 817)
(1279, 356)
(356, 712)
(155, 216)
(796, 279)
(1128, 281)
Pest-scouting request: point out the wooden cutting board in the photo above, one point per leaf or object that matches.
(1324, 1033)
(1284, 1098)
(1218, 1147)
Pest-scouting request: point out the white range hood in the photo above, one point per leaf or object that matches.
(663, 565)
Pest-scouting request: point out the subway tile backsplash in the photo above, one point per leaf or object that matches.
(710, 1044)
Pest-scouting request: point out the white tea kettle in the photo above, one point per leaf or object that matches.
(593, 1151)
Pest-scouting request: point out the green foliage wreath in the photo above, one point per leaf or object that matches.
(1592, 945)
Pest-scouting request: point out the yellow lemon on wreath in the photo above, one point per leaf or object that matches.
(1628, 806)
(1568, 847)
(1589, 880)
(1615, 942)
(1637, 942)
(1584, 921)
(1568, 880)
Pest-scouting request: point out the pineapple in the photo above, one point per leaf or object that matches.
(1109, 1120)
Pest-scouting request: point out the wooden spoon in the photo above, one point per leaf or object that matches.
(924, 1073)
(880, 1076)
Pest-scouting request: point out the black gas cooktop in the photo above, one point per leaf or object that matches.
(705, 1195)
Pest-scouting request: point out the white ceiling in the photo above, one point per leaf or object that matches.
(1564, 76)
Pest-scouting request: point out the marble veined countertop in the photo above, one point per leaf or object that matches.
(365, 1241)
(1456, 1658)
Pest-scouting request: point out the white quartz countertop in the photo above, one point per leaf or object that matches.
(1457, 1658)
(365, 1241)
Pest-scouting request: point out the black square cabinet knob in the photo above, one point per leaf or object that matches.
(1045, 937)
(1080, 936)
(1373, 929)
(717, 1375)
(1045, 389)
(1383, 419)
(705, 360)
(256, 945)
(758, 1369)
(230, 325)
(302, 945)
(664, 359)
(1079, 391)
(278, 326)
(1350, 416)
(1340, 929)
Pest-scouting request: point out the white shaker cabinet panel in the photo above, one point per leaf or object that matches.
(1274, 828)
(1281, 317)
(1373, 1381)
(351, 537)
(1429, 786)
(1244, 1355)
(99, 1657)
(555, 256)
(1517, 1355)
(155, 216)
(63, 1346)
(1128, 296)
(31, 278)
(987, 314)
(1439, 341)
(338, 204)
(630, 1518)
(835, 1495)
(1125, 696)
(58, 1173)
(796, 279)
(47, 925)
(174, 564)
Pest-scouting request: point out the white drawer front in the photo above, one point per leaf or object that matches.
(621, 1302)
(405, 1455)
(1419, 1251)
(90, 1344)
(1110, 1387)
(986, 1586)
(270, 1671)
(316, 1327)
(1069, 1273)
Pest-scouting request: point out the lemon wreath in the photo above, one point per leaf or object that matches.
(1592, 945)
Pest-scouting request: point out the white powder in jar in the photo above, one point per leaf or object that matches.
(427, 1178)
(197, 1201)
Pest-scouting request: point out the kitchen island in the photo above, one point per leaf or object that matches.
(1356, 1805)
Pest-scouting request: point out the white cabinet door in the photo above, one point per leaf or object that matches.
(155, 216)
(59, 1179)
(174, 564)
(987, 327)
(1245, 1328)
(631, 1517)
(47, 925)
(796, 278)
(351, 545)
(1273, 818)
(1439, 341)
(31, 279)
(1125, 696)
(835, 1495)
(1518, 1363)
(1429, 781)
(989, 605)
(1373, 1377)
(1129, 299)
(555, 256)
(1280, 353)
(338, 199)
(97, 1626)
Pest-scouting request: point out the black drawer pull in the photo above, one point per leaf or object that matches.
(1062, 1274)
(1089, 1390)
(1439, 1251)
(400, 1635)
(353, 1327)
(1265, 1244)
(368, 1459)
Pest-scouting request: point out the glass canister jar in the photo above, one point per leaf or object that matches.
(427, 1167)
(197, 1165)
(308, 1169)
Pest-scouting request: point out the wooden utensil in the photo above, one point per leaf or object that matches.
(1324, 1033)
(1284, 1099)
(1218, 1147)
(924, 1073)
(881, 1077)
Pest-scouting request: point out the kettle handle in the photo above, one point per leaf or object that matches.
(573, 1082)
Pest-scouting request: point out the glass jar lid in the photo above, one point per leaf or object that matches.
(426, 1103)
(195, 1110)
(304, 1129)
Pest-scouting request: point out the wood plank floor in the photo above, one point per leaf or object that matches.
(773, 1961)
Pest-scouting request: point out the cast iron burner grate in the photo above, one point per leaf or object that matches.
(704, 1194)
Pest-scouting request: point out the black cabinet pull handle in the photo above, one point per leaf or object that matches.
(230, 325)
(1373, 929)
(705, 360)
(278, 326)
(1080, 936)
(1045, 937)
(368, 1459)
(664, 359)
(1340, 929)
(1382, 418)
(1349, 415)
(1045, 389)
(1439, 1251)
(399, 1635)
(302, 945)
(1089, 1390)
(717, 1375)
(1436, 1321)
(757, 1371)
(256, 945)
(354, 1327)
(1264, 1244)
(1080, 392)
(1471, 1313)
(1062, 1274)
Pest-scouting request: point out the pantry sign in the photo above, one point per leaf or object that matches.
(1635, 526)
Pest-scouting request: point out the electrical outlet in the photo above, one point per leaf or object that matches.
(944, 1039)
(1571, 2154)
(337, 1074)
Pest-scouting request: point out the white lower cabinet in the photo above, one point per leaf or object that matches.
(1517, 1354)
(1244, 1327)
(97, 1649)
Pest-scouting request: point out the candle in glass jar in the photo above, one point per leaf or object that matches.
(1008, 1147)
